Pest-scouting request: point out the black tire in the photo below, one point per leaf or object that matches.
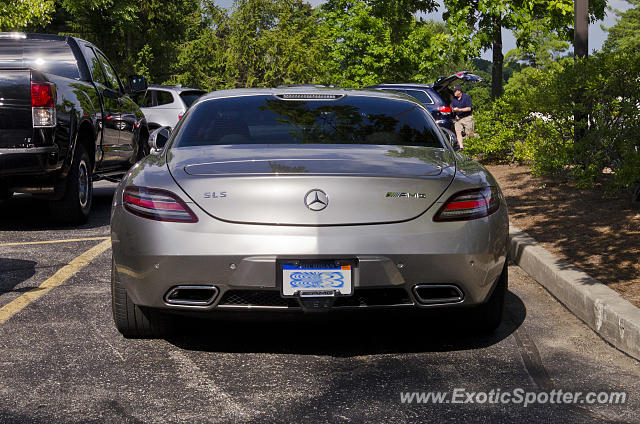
(486, 318)
(134, 321)
(74, 206)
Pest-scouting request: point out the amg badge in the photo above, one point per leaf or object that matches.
(395, 194)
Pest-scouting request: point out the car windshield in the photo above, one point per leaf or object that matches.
(268, 119)
(188, 97)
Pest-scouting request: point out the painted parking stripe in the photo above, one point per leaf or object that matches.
(27, 243)
(62, 275)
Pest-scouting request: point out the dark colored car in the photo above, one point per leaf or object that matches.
(65, 121)
(436, 96)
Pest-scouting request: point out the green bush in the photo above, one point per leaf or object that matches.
(534, 120)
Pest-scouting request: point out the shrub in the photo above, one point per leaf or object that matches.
(534, 120)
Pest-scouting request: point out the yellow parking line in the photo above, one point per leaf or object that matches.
(63, 274)
(25, 243)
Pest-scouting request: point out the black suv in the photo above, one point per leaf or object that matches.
(436, 97)
(66, 120)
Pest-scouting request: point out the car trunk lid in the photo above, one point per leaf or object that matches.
(358, 184)
(444, 82)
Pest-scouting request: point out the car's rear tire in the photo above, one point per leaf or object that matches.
(74, 206)
(486, 318)
(134, 321)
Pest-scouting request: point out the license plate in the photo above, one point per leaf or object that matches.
(308, 279)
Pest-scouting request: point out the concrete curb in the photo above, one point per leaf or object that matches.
(615, 319)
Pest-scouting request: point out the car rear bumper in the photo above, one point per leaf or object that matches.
(28, 161)
(152, 258)
(446, 123)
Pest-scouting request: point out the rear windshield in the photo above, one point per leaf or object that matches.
(266, 119)
(188, 97)
(48, 56)
(420, 95)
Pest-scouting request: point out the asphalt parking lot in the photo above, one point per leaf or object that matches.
(62, 360)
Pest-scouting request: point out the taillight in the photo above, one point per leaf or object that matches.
(179, 117)
(444, 109)
(156, 204)
(470, 204)
(43, 104)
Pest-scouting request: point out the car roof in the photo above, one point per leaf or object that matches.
(302, 90)
(177, 88)
(39, 36)
(403, 85)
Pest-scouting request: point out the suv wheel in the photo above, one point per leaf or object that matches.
(74, 206)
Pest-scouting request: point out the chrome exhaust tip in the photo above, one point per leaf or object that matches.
(431, 294)
(191, 295)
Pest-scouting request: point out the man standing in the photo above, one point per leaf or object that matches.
(461, 107)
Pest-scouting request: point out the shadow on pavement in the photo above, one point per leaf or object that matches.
(346, 335)
(25, 212)
(14, 272)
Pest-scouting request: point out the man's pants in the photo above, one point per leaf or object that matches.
(465, 125)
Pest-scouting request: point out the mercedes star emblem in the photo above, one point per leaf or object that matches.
(316, 200)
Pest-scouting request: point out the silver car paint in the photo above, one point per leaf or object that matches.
(267, 184)
(151, 257)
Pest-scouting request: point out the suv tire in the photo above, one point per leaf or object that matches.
(74, 206)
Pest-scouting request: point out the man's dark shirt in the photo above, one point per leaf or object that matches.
(465, 101)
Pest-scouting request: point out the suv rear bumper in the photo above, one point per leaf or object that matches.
(28, 161)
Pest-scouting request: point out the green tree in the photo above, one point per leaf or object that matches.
(546, 47)
(477, 25)
(273, 42)
(201, 58)
(359, 45)
(399, 14)
(363, 48)
(18, 14)
(625, 34)
(136, 35)
(260, 43)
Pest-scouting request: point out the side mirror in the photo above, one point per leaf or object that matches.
(137, 83)
(451, 137)
(158, 139)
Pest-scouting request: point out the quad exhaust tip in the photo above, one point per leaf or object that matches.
(191, 295)
(431, 294)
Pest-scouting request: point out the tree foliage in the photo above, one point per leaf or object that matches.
(139, 36)
(18, 14)
(363, 48)
(625, 34)
(533, 121)
(261, 43)
(477, 24)
(544, 48)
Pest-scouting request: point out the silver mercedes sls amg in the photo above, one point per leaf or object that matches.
(305, 199)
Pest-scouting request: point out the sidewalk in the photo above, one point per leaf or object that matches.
(615, 319)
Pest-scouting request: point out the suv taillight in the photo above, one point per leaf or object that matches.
(43, 104)
(156, 204)
(470, 204)
(444, 109)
